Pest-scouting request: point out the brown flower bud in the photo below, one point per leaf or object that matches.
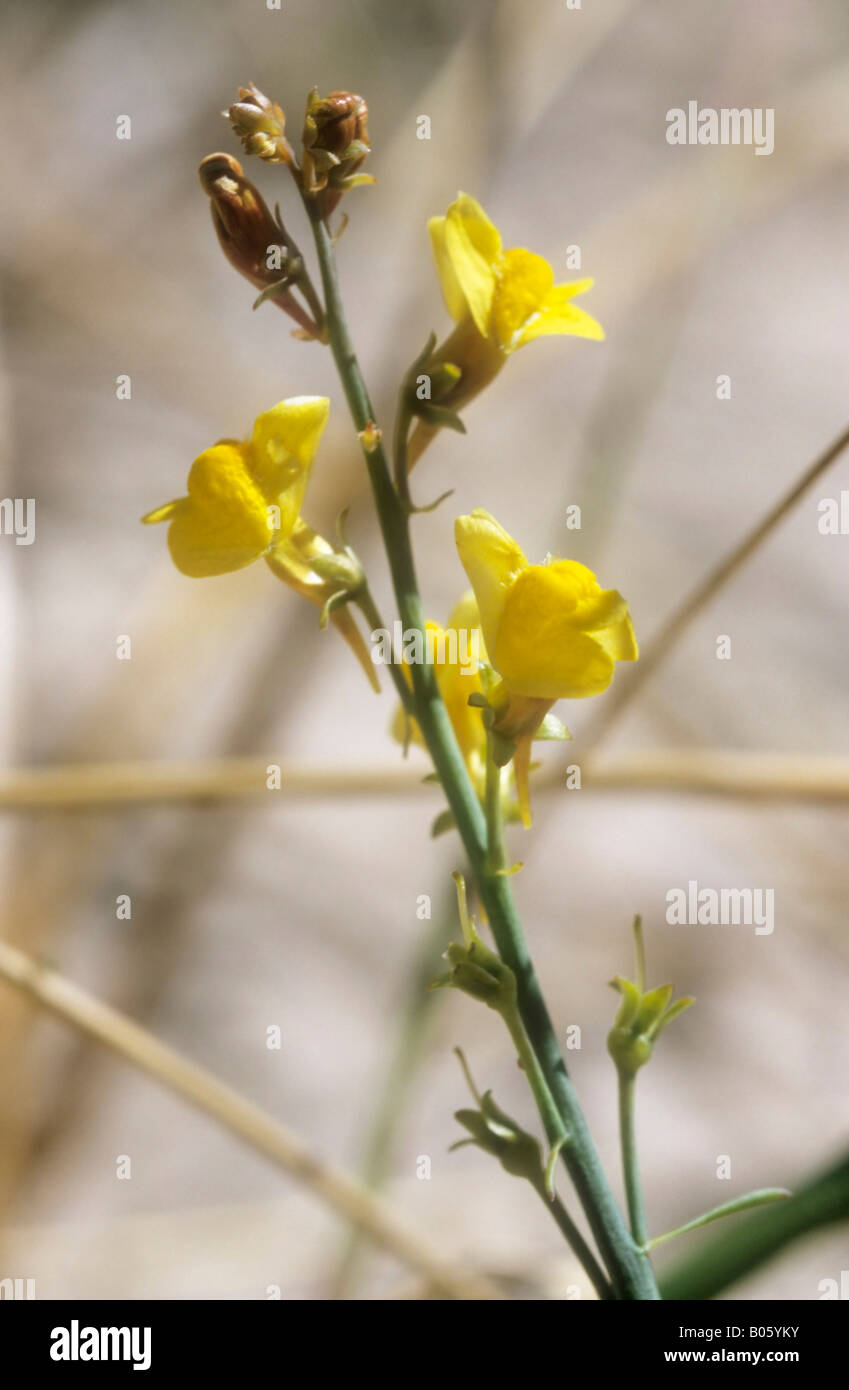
(335, 146)
(261, 126)
(252, 239)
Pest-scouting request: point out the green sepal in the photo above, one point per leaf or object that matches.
(413, 509)
(498, 1134)
(272, 291)
(358, 149)
(553, 1155)
(503, 749)
(442, 823)
(438, 416)
(479, 972)
(335, 601)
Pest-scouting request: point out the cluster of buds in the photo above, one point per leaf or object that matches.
(256, 243)
(335, 141)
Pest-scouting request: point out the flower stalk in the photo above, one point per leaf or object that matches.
(628, 1266)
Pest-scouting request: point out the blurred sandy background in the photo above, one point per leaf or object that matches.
(302, 913)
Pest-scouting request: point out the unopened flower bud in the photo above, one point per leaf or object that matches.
(251, 237)
(260, 125)
(335, 146)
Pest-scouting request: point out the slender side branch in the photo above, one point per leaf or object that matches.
(579, 1246)
(203, 1090)
(371, 613)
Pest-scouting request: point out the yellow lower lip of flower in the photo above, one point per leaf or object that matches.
(551, 630)
(245, 495)
(224, 523)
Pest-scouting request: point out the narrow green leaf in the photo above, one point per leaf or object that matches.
(751, 1199)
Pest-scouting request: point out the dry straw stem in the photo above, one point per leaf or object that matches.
(778, 776)
(87, 786)
(203, 1090)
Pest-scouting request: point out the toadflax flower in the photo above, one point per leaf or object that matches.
(499, 299)
(244, 502)
(551, 631)
(245, 496)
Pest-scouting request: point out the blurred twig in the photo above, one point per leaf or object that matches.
(662, 644)
(87, 786)
(110, 784)
(795, 776)
(203, 1090)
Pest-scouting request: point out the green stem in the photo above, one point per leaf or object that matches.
(630, 1162)
(629, 1267)
(544, 1190)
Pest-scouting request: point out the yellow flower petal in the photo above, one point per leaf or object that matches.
(285, 440)
(457, 680)
(224, 523)
(166, 513)
(455, 300)
(491, 559)
(243, 496)
(601, 613)
(455, 648)
(466, 615)
(473, 245)
(482, 233)
(524, 282)
(540, 649)
(558, 315)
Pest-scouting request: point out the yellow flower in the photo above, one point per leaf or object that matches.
(245, 497)
(454, 651)
(244, 501)
(511, 295)
(550, 630)
(500, 299)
